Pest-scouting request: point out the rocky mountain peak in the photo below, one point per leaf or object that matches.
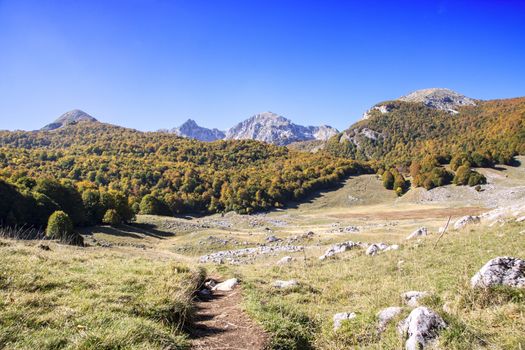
(72, 117)
(437, 98)
(272, 128)
(192, 130)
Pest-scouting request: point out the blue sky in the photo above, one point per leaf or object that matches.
(151, 64)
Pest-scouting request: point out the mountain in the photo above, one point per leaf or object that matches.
(71, 117)
(275, 129)
(191, 130)
(438, 122)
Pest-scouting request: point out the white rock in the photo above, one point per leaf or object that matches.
(285, 260)
(504, 270)
(412, 298)
(386, 315)
(227, 285)
(392, 247)
(340, 248)
(466, 220)
(285, 284)
(520, 219)
(340, 317)
(422, 231)
(420, 328)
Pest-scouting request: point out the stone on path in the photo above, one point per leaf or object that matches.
(227, 285)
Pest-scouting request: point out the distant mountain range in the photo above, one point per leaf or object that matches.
(267, 127)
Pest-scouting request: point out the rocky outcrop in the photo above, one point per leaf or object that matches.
(68, 118)
(504, 270)
(227, 285)
(273, 128)
(245, 255)
(421, 328)
(443, 99)
(191, 130)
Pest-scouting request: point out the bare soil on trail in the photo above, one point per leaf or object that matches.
(220, 323)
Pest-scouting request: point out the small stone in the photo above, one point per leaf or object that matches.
(342, 316)
(412, 298)
(504, 270)
(386, 315)
(465, 221)
(285, 284)
(227, 285)
(520, 219)
(420, 328)
(420, 232)
(285, 260)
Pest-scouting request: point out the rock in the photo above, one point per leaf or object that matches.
(210, 284)
(438, 98)
(272, 239)
(285, 284)
(422, 231)
(420, 328)
(375, 248)
(466, 220)
(191, 130)
(392, 247)
(342, 316)
(520, 219)
(227, 285)
(340, 248)
(412, 298)
(386, 315)
(247, 254)
(505, 271)
(285, 260)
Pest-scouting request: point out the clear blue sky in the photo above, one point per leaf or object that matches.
(152, 64)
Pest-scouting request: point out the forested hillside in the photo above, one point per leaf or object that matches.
(96, 165)
(417, 138)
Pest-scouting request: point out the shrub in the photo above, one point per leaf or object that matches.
(151, 205)
(60, 227)
(112, 218)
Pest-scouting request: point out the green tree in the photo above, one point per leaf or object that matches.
(112, 218)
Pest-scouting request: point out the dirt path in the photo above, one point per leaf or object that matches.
(221, 324)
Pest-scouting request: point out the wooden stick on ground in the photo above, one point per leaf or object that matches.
(442, 233)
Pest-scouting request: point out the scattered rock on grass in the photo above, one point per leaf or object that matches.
(386, 315)
(465, 221)
(285, 284)
(340, 317)
(375, 248)
(420, 232)
(272, 239)
(520, 219)
(227, 285)
(412, 298)
(504, 270)
(285, 260)
(340, 248)
(420, 328)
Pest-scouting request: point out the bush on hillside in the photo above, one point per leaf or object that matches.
(112, 218)
(151, 205)
(60, 227)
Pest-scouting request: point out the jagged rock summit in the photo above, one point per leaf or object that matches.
(72, 117)
(444, 99)
(192, 130)
(273, 128)
(436, 98)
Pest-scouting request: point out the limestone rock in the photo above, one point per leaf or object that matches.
(412, 298)
(504, 270)
(285, 260)
(279, 284)
(420, 328)
(340, 317)
(227, 285)
(422, 231)
(386, 315)
(466, 220)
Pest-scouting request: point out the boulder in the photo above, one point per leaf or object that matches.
(272, 239)
(342, 316)
(504, 270)
(227, 285)
(520, 219)
(375, 248)
(285, 284)
(465, 221)
(285, 260)
(386, 315)
(412, 298)
(340, 248)
(422, 231)
(420, 328)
